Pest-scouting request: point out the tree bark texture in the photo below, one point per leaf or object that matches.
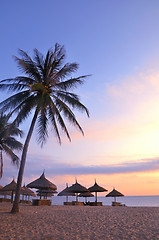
(15, 208)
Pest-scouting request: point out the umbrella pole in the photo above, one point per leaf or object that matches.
(114, 199)
(76, 197)
(96, 196)
(66, 198)
(12, 197)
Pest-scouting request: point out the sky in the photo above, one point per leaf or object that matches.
(117, 43)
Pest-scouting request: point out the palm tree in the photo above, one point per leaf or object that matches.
(46, 89)
(7, 141)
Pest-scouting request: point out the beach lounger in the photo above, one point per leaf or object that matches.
(117, 204)
(95, 203)
(41, 202)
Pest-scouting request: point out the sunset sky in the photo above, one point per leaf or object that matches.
(117, 42)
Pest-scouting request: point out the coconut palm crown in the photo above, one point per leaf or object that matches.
(8, 143)
(46, 89)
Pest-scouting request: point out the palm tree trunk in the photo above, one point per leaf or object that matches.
(15, 208)
(1, 173)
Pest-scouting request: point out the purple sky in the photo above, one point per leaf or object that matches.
(118, 43)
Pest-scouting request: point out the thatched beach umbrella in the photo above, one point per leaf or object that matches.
(96, 188)
(27, 192)
(85, 195)
(11, 187)
(42, 183)
(66, 193)
(5, 193)
(114, 193)
(46, 193)
(77, 188)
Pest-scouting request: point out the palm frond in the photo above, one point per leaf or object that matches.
(58, 55)
(60, 119)
(47, 90)
(20, 79)
(39, 60)
(51, 114)
(42, 126)
(46, 65)
(12, 143)
(68, 113)
(24, 109)
(27, 65)
(14, 131)
(14, 100)
(11, 154)
(9, 130)
(71, 83)
(13, 86)
(73, 101)
(65, 71)
(59, 51)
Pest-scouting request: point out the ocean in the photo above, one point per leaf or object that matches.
(133, 201)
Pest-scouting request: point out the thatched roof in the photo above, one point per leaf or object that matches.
(114, 193)
(97, 188)
(44, 194)
(77, 188)
(86, 194)
(46, 191)
(4, 193)
(10, 187)
(28, 192)
(65, 192)
(42, 183)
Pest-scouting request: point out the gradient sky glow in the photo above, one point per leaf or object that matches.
(118, 43)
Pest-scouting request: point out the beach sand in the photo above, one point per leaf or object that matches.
(79, 222)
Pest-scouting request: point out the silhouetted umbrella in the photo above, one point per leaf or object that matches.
(5, 193)
(77, 188)
(46, 192)
(96, 188)
(42, 183)
(85, 195)
(44, 195)
(27, 192)
(11, 187)
(114, 194)
(66, 193)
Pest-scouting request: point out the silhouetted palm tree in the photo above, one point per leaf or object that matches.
(47, 91)
(7, 141)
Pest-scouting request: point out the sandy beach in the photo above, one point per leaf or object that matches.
(79, 222)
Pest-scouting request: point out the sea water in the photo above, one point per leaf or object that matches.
(133, 201)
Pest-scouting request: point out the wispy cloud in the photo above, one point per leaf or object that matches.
(54, 168)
